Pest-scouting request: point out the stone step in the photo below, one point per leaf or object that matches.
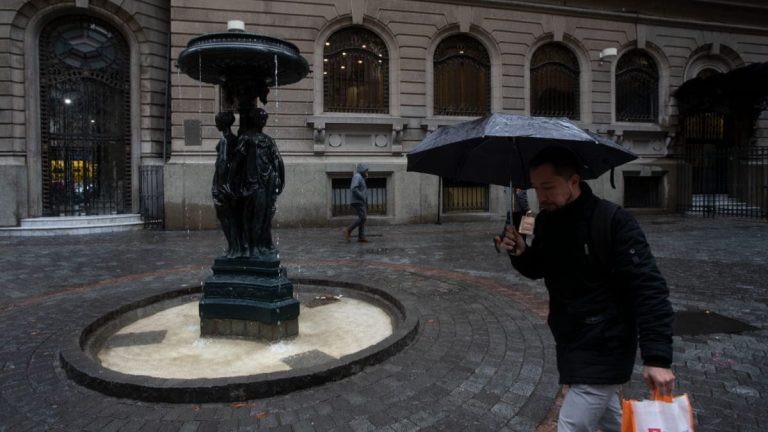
(74, 225)
(722, 204)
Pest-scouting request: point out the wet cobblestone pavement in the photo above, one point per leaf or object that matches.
(483, 358)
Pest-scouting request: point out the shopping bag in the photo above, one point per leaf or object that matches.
(660, 414)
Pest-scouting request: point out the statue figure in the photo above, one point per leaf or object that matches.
(263, 178)
(225, 184)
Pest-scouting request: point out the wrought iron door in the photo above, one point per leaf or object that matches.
(716, 176)
(85, 120)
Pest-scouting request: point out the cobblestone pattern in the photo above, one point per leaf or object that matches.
(483, 359)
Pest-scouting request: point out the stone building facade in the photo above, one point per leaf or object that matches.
(602, 49)
(136, 32)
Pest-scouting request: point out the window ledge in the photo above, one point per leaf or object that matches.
(432, 123)
(320, 121)
(619, 128)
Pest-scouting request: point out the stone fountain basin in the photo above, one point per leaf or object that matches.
(217, 58)
(80, 357)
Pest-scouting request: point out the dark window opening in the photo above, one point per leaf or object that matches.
(355, 72)
(340, 196)
(462, 73)
(463, 196)
(642, 192)
(637, 88)
(555, 82)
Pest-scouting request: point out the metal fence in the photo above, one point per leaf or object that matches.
(461, 196)
(341, 195)
(151, 200)
(722, 181)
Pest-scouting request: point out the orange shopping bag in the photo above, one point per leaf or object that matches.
(660, 414)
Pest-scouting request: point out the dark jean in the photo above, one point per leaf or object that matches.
(361, 210)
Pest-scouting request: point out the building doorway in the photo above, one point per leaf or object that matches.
(85, 118)
(720, 169)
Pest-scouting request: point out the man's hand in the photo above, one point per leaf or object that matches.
(661, 380)
(513, 242)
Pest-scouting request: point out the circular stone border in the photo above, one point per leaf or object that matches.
(79, 364)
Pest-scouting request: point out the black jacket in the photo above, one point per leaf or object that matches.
(597, 310)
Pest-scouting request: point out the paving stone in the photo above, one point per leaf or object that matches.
(481, 361)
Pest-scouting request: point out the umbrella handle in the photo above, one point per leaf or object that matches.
(497, 240)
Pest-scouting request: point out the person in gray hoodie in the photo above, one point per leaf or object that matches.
(359, 202)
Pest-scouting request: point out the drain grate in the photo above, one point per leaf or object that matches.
(692, 323)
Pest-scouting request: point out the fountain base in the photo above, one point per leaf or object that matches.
(254, 330)
(151, 350)
(248, 298)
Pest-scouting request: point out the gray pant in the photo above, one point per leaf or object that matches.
(587, 407)
(362, 214)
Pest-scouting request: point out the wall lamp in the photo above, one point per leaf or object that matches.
(608, 55)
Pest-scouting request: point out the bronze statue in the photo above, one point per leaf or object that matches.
(263, 181)
(248, 177)
(225, 184)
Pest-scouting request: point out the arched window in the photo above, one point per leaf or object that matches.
(637, 88)
(462, 72)
(85, 117)
(555, 82)
(707, 73)
(355, 72)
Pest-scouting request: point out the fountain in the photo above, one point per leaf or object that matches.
(236, 336)
(249, 294)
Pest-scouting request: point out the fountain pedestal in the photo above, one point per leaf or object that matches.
(248, 298)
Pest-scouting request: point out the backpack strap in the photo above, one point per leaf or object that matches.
(602, 236)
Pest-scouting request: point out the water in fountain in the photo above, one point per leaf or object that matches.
(182, 353)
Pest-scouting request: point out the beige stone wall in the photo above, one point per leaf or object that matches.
(729, 33)
(681, 36)
(144, 24)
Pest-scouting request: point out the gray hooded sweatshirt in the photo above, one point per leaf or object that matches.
(358, 188)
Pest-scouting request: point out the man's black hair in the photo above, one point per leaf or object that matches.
(563, 160)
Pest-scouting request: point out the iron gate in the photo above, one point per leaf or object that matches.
(85, 123)
(719, 174)
(151, 206)
(723, 181)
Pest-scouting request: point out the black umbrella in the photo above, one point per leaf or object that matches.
(496, 149)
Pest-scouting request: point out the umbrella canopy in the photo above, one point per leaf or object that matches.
(496, 149)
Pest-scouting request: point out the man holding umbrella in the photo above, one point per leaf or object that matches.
(605, 291)
(601, 302)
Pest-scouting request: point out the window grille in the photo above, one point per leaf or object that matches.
(84, 113)
(340, 196)
(637, 88)
(463, 196)
(355, 72)
(462, 77)
(642, 192)
(555, 82)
